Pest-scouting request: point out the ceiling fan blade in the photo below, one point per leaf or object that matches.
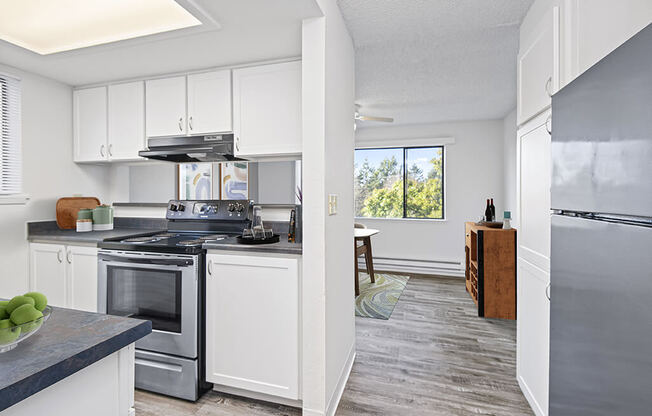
(372, 118)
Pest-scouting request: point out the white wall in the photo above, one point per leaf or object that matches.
(328, 300)
(48, 172)
(509, 165)
(473, 173)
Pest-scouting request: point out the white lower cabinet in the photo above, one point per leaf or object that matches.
(67, 275)
(252, 323)
(533, 334)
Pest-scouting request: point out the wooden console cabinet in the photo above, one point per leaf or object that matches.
(491, 270)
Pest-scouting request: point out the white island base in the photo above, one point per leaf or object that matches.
(105, 388)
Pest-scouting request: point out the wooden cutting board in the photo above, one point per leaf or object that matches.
(67, 209)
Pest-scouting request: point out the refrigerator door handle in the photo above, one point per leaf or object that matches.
(548, 291)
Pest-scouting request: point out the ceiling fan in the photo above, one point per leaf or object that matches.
(362, 117)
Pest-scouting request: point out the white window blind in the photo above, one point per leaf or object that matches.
(10, 157)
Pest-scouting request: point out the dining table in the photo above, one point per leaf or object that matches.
(362, 246)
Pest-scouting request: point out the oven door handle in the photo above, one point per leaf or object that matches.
(161, 262)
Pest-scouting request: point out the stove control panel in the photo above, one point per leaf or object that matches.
(217, 210)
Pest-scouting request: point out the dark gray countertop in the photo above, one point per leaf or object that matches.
(282, 247)
(69, 341)
(48, 231)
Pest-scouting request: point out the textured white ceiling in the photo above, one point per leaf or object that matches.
(251, 30)
(425, 61)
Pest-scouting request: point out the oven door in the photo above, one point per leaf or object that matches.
(161, 288)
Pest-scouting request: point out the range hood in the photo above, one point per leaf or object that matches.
(183, 149)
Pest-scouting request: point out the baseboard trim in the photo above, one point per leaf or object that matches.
(257, 396)
(534, 405)
(438, 267)
(341, 383)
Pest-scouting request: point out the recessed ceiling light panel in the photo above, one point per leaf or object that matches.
(50, 26)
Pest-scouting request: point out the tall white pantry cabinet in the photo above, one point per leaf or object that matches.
(559, 39)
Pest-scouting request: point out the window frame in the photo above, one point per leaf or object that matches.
(17, 198)
(404, 151)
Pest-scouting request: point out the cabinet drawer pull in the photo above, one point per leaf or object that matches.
(548, 87)
(68, 258)
(60, 256)
(180, 123)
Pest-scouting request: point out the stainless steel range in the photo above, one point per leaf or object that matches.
(160, 278)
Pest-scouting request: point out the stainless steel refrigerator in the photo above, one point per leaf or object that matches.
(601, 242)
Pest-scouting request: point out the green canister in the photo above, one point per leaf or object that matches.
(85, 214)
(103, 218)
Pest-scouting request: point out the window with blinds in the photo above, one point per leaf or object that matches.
(10, 158)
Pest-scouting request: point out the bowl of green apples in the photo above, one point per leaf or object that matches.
(21, 317)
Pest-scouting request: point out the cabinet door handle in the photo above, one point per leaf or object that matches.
(68, 258)
(102, 150)
(180, 123)
(237, 144)
(60, 256)
(111, 150)
(210, 267)
(549, 124)
(190, 122)
(548, 291)
(548, 87)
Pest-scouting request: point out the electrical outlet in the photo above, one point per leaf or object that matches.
(332, 204)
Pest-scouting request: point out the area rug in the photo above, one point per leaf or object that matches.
(377, 300)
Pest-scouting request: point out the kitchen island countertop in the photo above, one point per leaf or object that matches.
(68, 342)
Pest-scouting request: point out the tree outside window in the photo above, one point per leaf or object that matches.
(399, 182)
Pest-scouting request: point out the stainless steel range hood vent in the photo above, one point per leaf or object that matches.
(183, 149)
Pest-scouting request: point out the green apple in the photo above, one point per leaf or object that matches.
(17, 301)
(24, 314)
(40, 301)
(8, 335)
(3, 312)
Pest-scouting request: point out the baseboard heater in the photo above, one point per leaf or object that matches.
(438, 267)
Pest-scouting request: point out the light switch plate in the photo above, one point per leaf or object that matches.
(332, 204)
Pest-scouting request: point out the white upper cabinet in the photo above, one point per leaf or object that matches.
(209, 102)
(267, 110)
(126, 120)
(90, 125)
(600, 26)
(538, 66)
(165, 107)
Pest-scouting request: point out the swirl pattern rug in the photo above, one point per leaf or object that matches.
(377, 300)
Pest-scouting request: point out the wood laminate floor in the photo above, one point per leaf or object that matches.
(434, 356)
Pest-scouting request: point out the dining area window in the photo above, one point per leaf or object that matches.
(399, 182)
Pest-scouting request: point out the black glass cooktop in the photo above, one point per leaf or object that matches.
(168, 242)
